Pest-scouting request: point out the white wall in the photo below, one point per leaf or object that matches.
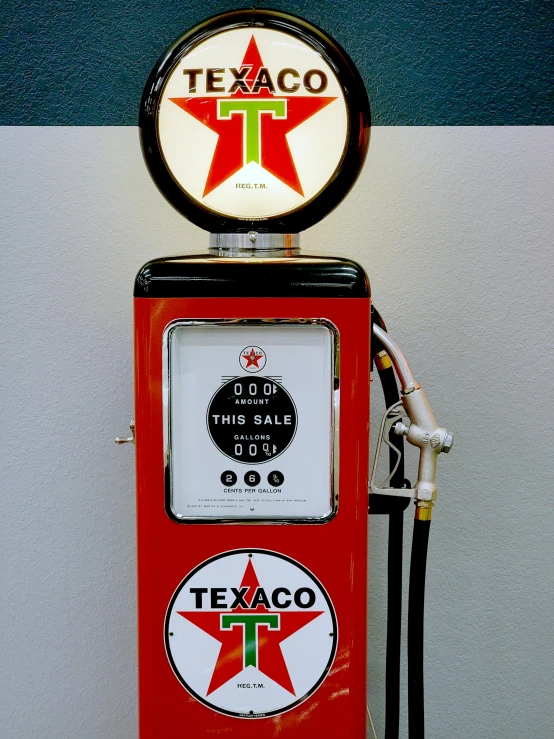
(453, 226)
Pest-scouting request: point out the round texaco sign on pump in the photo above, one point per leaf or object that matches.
(255, 116)
(251, 633)
(252, 359)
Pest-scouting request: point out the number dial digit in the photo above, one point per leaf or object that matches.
(228, 478)
(252, 479)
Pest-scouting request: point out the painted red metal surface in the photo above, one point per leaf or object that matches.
(336, 552)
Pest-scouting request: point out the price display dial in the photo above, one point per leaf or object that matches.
(250, 414)
(252, 419)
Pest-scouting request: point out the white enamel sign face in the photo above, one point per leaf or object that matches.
(251, 633)
(249, 421)
(252, 123)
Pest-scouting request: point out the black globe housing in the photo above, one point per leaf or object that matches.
(353, 157)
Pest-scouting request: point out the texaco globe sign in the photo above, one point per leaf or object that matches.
(251, 633)
(255, 120)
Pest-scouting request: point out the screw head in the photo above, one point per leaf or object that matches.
(448, 442)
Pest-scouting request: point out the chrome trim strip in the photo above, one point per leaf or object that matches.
(254, 244)
(335, 416)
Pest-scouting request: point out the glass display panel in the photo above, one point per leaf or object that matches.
(249, 411)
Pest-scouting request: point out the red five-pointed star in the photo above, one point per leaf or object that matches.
(235, 651)
(229, 155)
(252, 358)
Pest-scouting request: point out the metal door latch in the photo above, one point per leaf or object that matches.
(127, 439)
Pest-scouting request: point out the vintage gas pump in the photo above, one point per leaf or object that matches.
(252, 395)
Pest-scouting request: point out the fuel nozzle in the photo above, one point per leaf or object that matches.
(422, 430)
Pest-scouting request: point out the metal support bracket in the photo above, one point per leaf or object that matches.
(391, 417)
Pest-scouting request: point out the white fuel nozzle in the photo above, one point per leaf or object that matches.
(423, 430)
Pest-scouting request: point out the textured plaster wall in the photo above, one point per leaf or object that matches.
(454, 227)
(424, 62)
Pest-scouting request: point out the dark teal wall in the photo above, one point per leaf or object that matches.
(425, 62)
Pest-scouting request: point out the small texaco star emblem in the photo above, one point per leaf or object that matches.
(252, 359)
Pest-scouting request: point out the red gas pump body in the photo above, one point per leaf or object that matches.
(252, 483)
(334, 551)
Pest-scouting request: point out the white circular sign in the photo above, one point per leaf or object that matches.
(251, 633)
(252, 123)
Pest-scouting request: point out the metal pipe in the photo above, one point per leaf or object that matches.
(401, 366)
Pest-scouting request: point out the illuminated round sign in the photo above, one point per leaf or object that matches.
(255, 120)
(251, 633)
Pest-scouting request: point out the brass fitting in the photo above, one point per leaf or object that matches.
(382, 360)
(424, 510)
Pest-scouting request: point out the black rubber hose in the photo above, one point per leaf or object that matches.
(394, 625)
(389, 503)
(394, 577)
(416, 603)
(394, 564)
(392, 396)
